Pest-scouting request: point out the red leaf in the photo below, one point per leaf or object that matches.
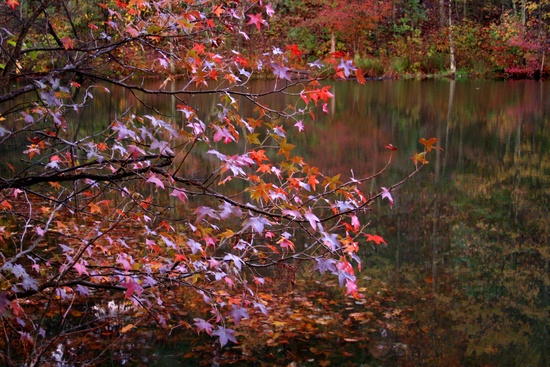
(256, 19)
(390, 147)
(377, 239)
(12, 4)
(132, 287)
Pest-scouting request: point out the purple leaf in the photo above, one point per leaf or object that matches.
(312, 218)
(203, 325)
(236, 260)
(82, 290)
(257, 223)
(228, 209)
(280, 72)
(387, 195)
(169, 242)
(324, 265)
(194, 246)
(239, 313)
(225, 335)
(203, 211)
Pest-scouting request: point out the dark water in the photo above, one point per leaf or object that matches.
(468, 255)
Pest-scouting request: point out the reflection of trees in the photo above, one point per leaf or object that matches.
(487, 271)
(469, 255)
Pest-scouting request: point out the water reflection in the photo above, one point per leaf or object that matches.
(468, 253)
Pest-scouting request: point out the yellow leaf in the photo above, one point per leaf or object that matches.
(127, 328)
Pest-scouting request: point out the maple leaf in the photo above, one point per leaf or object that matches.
(12, 4)
(355, 223)
(203, 325)
(180, 194)
(351, 288)
(239, 313)
(390, 147)
(347, 67)
(225, 335)
(280, 72)
(429, 144)
(131, 288)
(387, 195)
(295, 51)
(203, 211)
(154, 179)
(419, 158)
(312, 219)
(324, 265)
(82, 290)
(257, 223)
(269, 10)
(68, 43)
(223, 133)
(237, 261)
(256, 19)
(194, 246)
(80, 268)
(375, 238)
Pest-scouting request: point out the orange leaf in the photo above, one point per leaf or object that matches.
(429, 144)
(419, 158)
(6, 205)
(377, 239)
(360, 77)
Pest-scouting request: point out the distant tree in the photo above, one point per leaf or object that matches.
(121, 210)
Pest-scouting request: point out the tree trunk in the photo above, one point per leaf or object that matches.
(452, 67)
(442, 13)
(332, 42)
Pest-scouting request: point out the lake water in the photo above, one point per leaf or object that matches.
(468, 252)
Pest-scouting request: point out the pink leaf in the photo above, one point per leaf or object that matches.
(269, 10)
(180, 194)
(203, 325)
(256, 19)
(155, 180)
(386, 195)
(80, 268)
(355, 223)
(131, 287)
(312, 218)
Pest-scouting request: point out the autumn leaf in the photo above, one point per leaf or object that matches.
(127, 328)
(6, 205)
(12, 4)
(360, 77)
(155, 180)
(94, 208)
(180, 194)
(131, 288)
(68, 43)
(375, 238)
(256, 19)
(225, 335)
(295, 51)
(285, 148)
(390, 147)
(387, 195)
(203, 325)
(429, 144)
(419, 158)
